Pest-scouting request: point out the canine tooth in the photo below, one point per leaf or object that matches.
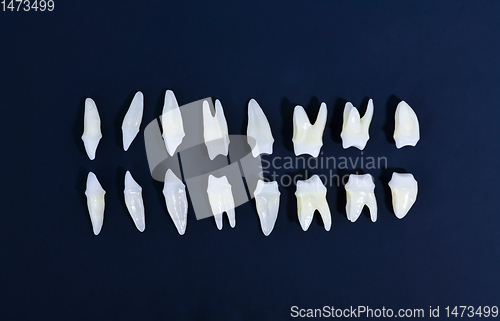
(221, 199)
(311, 196)
(260, 137)
(267, 201)
(215, 130)
(360, 192)
(404, 189)
(307, 138)
(95, 202)
(355, 129)
(407, 129)
(175, 198)
(134, 202)
(91, 128)
(132, 120)
(171, 122)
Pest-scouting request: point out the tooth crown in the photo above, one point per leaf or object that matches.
(404, 189)
(174, 192)
(307, 138)
(215, 130)
(91, 128)
(134, 202)
(267, 201)
(311, 196)
(132, 120)
(355, 129)
(260, 137)
(171, 122)
(407, 129)
(221, 199)
(95, 202)
(360, 192)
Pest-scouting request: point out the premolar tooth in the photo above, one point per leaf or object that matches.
(95, 202)
(171, 123)
(307, 138)
(215, 130)
(91, 128)
(221, 199)
(132, 120)
(360, 191)
(407, 129)
(260, 137)
(134, 202)
(175, 198)
(311, 196)
(355, 129)
(267, 200)
(404, 189)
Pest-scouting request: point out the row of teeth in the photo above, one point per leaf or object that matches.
(310, 194)
(307, 137)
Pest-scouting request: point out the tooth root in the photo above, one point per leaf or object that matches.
(91, 128)
(311, 196)
(175, 198)
(404, 189)
(355, 129)
(221, 199)
(132, 120)
(360, 191)
(134, 202)
(267, 201)
(307, 138)
(171, 122)
(95, 202)
(407, 129)
(215, 131)
(260, 137)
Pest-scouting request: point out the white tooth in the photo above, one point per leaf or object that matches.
(259, 133)
(307, 138)
(267, 200)
(215, 130)
(91, 128)
(355, 130)
(171, 123)
(404, 189)
(360, 191)
(407, 130)
(132, 120)
(95, 202)
(175, 198)
(221, 199)
(311, 196)
(134, 202)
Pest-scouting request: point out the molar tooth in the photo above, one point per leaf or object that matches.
(95, 202)
(221, 199)
(307, 138)
(407, 130)
(267, 201)
(311, 196)
(360, 191)
(91, 128)
(175, 198)
(215, 130)
(171, 123)
(355, 129)
(404, 189)
(259, 130)
(132, 120)
(134, 202)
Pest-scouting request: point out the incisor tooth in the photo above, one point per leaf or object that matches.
(132, 120)
(360, 191)
(134, 202)
(171, 123)
(215, 130)
(221, 199)
(404, 189)
(407, 129)
(267, 201)
(175, 198)
(91, 128)
(307, 138)
(259, 133)
(311, 196)
(95, 202)
(355, 129)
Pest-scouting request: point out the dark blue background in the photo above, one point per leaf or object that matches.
(442, 57)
